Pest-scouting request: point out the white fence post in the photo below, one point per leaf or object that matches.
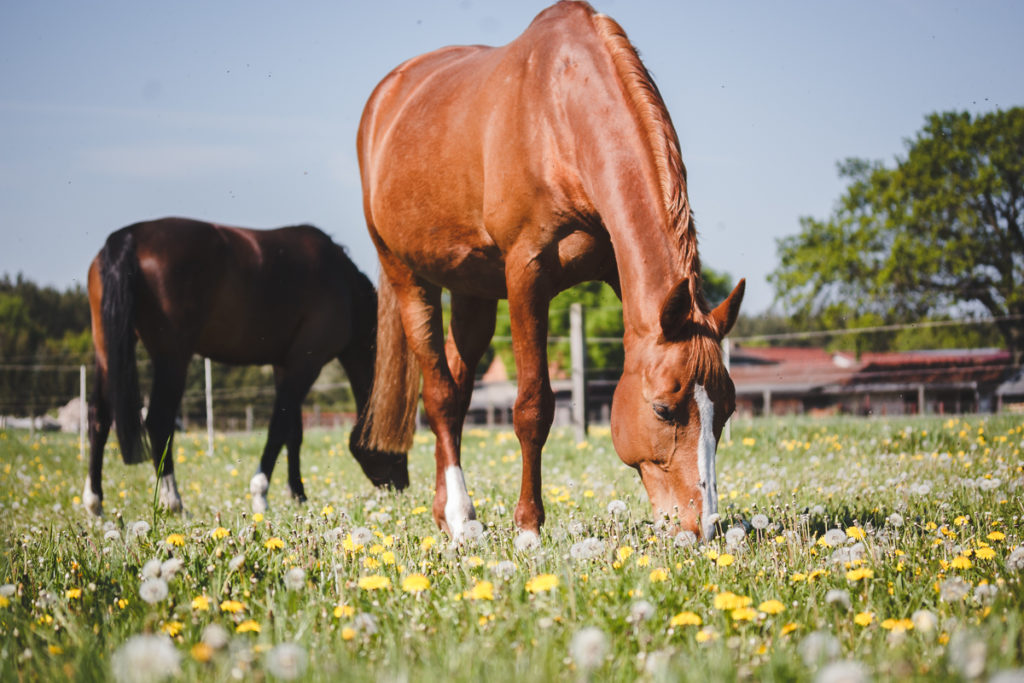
(209, 407)
(577, 352)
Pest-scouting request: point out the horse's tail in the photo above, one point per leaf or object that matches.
(383, 433)
(119, 270)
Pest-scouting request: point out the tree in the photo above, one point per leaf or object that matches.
(941, 233)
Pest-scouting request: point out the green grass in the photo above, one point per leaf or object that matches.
(73, 596)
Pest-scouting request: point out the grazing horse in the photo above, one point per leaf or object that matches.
(290, 298)
(516, 172)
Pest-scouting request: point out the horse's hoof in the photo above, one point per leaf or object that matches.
(258, 487)
(92, 502)
(170, 499)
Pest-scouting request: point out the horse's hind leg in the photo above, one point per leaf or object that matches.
(292, 383)
(164, 401)
(99, 429)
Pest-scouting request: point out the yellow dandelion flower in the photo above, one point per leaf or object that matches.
(705, 634)
(374, 582)
(219, 533)
(727, 601)
(864, 618)
(344, 611)
(415, 583)
(121, 603)
(474, 561)
(771, 607)
(419, 510)
(176, 540)
(249, 625)
(201, 652)
(798, 577)
(985, 553)
(543, 582)
(996, 536)
(370, 562)
(172, 628)
(327, 510)
(658, 575)
(743, 614)
(387, 557)
(55, 649)
(375, 549)
(427, 543)
(686, 619)
(961, 562)
(274, 543)
(482, 590)
(231, 606)
(623, 553)
(724, 560)
(73, 593)
(860, 573)
(961, 520)
(897, 624)
(201, 603)
(257, 518)
(789, 628)
(855, 532)
(348, 633)
(4, 602)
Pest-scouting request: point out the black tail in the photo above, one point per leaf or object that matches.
(119, 267)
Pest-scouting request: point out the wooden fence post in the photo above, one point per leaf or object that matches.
(209, 407)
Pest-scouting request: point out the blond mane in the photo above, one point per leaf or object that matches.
(662, 141)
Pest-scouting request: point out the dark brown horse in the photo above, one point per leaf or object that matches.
(290, 298)
(519, 171)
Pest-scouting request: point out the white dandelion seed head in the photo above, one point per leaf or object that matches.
(236, 562)
(684, 539)
(588, 647)
(334, 535)
(153, 590)
(575, 527)
(380, 517)
(1015, 560)
(587, 549)
(365, 623)
(362, 536)
(138, 529)
(8, 589)
(286, 661)
(526, 541)
(472, 530)
(818, 647)
(616, 508)
(1008, 676)
(834, 537)
(895, 520)
(953, 590)
(504, 569)
(839, 598)
(295, 579)
(735, 535)
(656, 664)
(151, 570)
(759, 521)
(967, 653)
(985, 593)
(216, 636)
(145, 659)
(170, 568)
(639, 611)
(924, 621)
(818, 510)
(842, 672)
(112, 535)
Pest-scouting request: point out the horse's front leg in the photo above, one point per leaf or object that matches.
(420, 307)
(535, 403)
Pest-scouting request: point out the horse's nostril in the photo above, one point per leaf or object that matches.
(663, 411)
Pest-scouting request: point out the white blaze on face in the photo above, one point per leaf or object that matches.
(706, 447)
(458, 509)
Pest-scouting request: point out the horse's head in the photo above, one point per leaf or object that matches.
(671, 404)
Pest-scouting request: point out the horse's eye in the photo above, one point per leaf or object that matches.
(663, 411)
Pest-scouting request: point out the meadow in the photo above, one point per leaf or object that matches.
(850, 550)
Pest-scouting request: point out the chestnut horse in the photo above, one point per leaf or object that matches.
(290, 298)
(520, 171)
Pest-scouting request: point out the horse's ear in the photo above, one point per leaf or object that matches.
(677, 310)
(725, 313)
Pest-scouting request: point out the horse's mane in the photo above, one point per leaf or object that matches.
(664, 145)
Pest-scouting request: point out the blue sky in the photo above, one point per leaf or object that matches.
(245, 112)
